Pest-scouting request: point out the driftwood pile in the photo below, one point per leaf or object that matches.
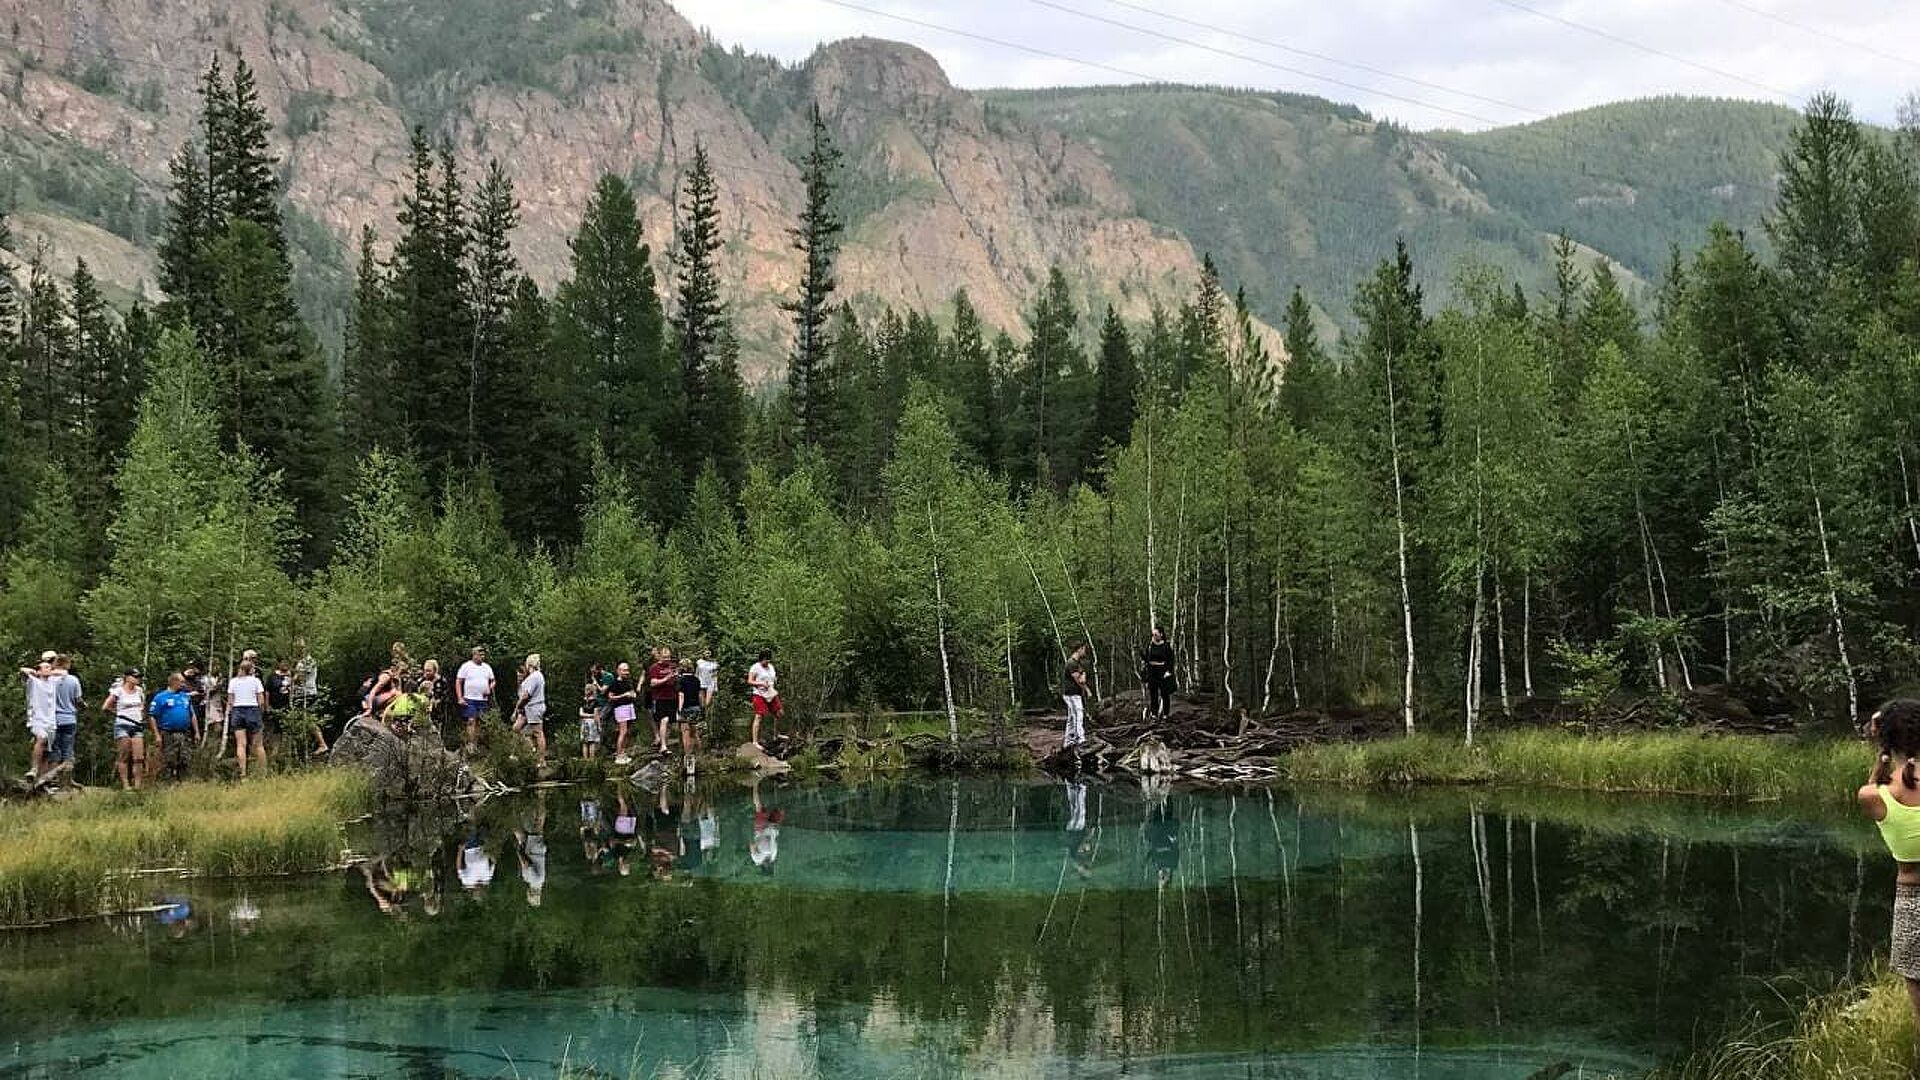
(1200, 740)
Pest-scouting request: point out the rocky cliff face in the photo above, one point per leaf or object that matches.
(942, 191)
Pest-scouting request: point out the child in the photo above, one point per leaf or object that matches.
(590, 705)
(405, 707)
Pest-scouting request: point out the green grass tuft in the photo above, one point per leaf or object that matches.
(1861, 1033)
(80, 857)
(1748, 767)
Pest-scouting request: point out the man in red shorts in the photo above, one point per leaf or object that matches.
(766, 694)
(663, 690)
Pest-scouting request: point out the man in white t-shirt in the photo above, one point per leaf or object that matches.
(473, 683)
(766, 695)
(246, 698)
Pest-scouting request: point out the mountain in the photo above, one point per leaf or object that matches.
(944, 189)
(1284, 189)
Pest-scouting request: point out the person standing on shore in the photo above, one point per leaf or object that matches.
(691, 712)
(765, 684)
(530, 710)
(707, 670)
(474, 683)
(67, 703)
(127, 704)
(663, 691)
(1074, 691)
(1891, 797)
(1156, 668)
(246, 702)
(170, 715)
(623, 696)
(41, 691)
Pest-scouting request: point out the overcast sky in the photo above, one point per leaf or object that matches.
(1434, 63)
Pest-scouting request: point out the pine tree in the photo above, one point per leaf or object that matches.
(243, 159)
(431, 324)
(1055, 393)
(817, 239)
(495, 396)
(1306, 387)
(1117, 390)
(371, 400)
(184, 275)
(967, 378)
(275, 398)
(1608, 318)
(216, 131)
(1816, 225)
(713, 421)
(45, 357)
(609, 326)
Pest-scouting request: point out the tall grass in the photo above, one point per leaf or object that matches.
(76, 858)
(1862, 1033)
(1750, 767)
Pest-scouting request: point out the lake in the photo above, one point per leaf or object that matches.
(984, 928)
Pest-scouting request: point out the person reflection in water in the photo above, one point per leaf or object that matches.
(664, 847)
(1162, 832)
(1891, 797)
(1081, 840)
(626, 829)
(475, 866)
(764, 847)
(389, 886)
(530, 844)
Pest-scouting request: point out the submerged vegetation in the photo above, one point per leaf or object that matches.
(90, 855)
(1673, 763)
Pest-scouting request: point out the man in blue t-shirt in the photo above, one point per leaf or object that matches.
(171, 717)
(66, 714)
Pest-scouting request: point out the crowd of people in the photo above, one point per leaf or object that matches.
(615, 706)
(194, 706)
(159, 732)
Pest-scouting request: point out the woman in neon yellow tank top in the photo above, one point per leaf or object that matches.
(1891, 797)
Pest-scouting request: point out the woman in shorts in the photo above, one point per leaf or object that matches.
(126, 703)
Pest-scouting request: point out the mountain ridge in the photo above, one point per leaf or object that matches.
(1124, 187)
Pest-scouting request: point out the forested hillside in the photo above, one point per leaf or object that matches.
(1288, 190)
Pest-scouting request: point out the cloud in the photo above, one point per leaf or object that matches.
(1428, 63)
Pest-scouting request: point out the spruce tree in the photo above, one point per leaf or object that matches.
(817, 239)
(371, 403)
(1116, 393)
(44, 354)
(243, 159)
(1306, 386)
(495, 396)
(1815, 224)
(970, 383)
(431, 324)
(609, 327)
(713, 422)
(1055, 393)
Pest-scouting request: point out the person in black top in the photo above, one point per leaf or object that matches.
(279, 697)
(690, 712)
(1156, 670)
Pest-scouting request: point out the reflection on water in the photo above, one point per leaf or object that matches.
(966, 929)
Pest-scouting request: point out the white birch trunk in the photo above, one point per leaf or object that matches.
(1400, 528)
(1833, 601)
(1080, 614)
(1226, 614)
(1474, 663)
(940, 623)
(1526, 634)
(1058, 642)
(1500, 644)
(1273, 652)
(1906, 496)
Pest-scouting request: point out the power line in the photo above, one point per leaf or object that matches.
(1324, 58)
(1243, 57)
(1649, 49)
(1808, 28)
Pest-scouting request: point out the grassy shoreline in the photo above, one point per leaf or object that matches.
(81, 857)
(1651, 763)
(1863, 1032)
